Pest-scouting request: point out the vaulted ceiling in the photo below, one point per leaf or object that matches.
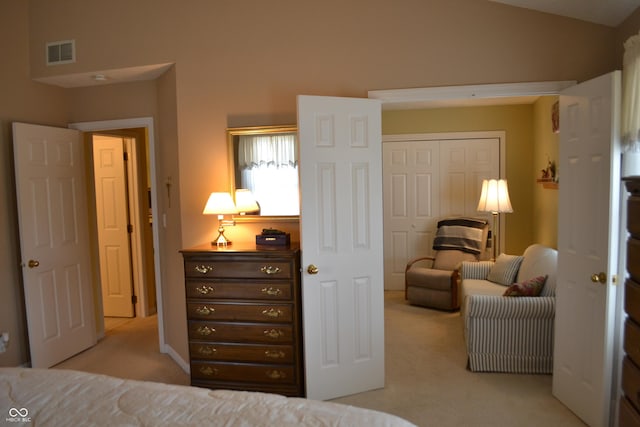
(605, 12)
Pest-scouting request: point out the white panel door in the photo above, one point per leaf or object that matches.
(464, 163)
(341, 236)
(588, 233)
(52, 209)
(411, 194)
(112, 219)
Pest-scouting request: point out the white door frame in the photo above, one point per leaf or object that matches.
(455, 96)
(147, 123)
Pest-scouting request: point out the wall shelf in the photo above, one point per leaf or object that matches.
(548, 183)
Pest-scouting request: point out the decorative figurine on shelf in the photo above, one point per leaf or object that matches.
(549, 174)
(545, 173)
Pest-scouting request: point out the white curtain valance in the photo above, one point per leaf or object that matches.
(631, 95)
(267, 150)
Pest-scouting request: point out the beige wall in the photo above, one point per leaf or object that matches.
(20, 100)
(233, 69)
(516, 121)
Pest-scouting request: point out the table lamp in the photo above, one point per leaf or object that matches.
(221, 204)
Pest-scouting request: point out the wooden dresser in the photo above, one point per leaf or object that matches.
(630, 403)
(244, 318)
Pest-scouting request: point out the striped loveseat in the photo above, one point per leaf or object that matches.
(509, 334)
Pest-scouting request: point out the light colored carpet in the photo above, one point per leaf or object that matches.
(130, 349)
(427, 381)
(428, 384)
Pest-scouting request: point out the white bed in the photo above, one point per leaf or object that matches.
(52, 397)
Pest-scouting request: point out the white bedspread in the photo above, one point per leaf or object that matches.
(50, 397)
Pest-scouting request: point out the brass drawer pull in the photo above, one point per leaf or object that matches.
(276, 375)
(274, 333)
(203, 269)
(272, 312)
(205, 330)
(205, 311)
(274, 354)
(270, 270)
(207, 350)
(208, 371)
(205, 289)
(271, 291)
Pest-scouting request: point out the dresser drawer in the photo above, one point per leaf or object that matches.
(281, 354)
(255, 269)
(633, 216)
(632, 299)
(631, 382)
(239, 290)
(632, 340)
(278, 313)
(628, 417)
(240, 332)
(633, 259)
(244, 372)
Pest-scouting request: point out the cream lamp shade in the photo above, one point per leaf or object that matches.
(245, 202)
(220, 203)
(494, 198)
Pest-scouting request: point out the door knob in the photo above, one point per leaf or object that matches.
(33, 263)
(599, 277)
(312, 269)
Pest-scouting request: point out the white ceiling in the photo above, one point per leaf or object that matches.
(605, 12)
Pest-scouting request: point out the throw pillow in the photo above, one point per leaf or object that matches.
(528, 288)
(505, 269)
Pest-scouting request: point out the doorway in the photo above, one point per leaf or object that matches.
(123, 222)
(428, 177)
(145, 124)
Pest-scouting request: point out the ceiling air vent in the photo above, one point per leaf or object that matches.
(62, 52)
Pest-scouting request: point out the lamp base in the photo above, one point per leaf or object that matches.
(221, 240)
(494, 236)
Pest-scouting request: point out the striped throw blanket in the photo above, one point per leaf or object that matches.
(464, 234)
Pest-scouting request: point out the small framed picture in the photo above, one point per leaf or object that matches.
(555, 117)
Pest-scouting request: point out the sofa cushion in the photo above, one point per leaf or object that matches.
(540, 260)
(477, 287)
(505, 270)
(528, 288)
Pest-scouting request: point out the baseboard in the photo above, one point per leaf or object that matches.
(176, 358)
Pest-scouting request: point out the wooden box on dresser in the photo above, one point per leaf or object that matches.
(630, 404)
(244, 318)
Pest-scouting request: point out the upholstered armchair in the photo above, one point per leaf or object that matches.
(432, 281)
